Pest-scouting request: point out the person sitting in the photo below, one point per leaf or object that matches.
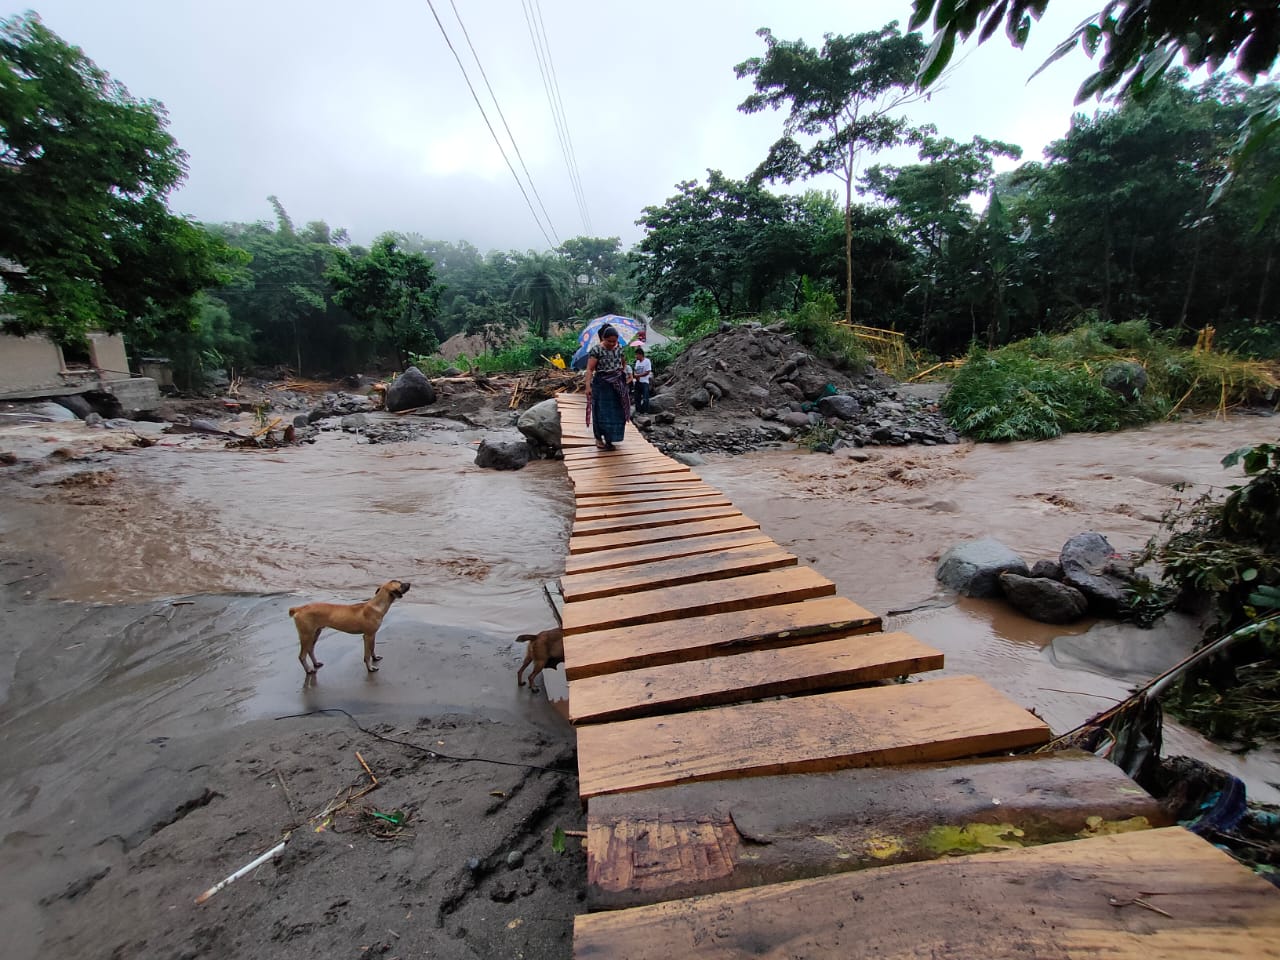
(608, 397)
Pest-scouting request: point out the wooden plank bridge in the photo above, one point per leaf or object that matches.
(745, 754)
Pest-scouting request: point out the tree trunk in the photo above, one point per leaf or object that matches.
(297, 345)
(1191, 283)
(1266, 282)
(1106, 272)
(848, 248)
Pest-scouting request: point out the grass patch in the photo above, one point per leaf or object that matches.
(526, 354)
(1049, 385)
(815, 325)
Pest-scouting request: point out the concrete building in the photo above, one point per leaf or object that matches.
(34, 366)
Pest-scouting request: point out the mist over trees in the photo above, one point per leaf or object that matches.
(1117, 221)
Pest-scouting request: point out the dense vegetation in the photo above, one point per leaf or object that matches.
(1117, 223)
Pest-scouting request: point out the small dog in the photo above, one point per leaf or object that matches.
(364, 618)
(546, 649)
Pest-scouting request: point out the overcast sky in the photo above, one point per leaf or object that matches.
(357, 113)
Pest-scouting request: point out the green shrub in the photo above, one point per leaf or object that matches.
(815, 325)
(1008, 395)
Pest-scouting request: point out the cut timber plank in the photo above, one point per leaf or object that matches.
(1051, 902)
(721, 634)
(631, 538)
(647, 505)
(639, 486)
(736, 562)
(623, 468)
(582, 464)
(662, 550)
(943, 719)
(700, 491)
(696, 599)
(810, 668)
(644, 521)
(686, 841)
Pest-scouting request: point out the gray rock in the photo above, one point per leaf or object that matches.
(1086, 565)
(93, 420)
(662, 403)
(792, 390)
(973, 568)
(699, 398)
(1043, 599)
(409, 390)
(689, 459)
(503, 454)
(302, 420)
(797, 421)
(77, 404)
(50, 412)
(758, 393)
(840, 406)
(1125, 378)
(1047, 568)
(540, 425)
(355, 423)
(514, 859)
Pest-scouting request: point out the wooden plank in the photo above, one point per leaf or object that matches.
(640, 485)
(645, 521)
(693, 491)
(736, 562)
(788, 671)
(635, 447)
(943, 719)
(624, 468)
(696, 599)
(645, 505)
(630, 538)
(647, 552)
(1053, 902)
(702, 838)
(593, 459)
(650, 645)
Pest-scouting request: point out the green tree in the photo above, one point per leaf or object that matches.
(85, 170)
(928, 201)
(391, 295)
(543, 284)
(841, 99)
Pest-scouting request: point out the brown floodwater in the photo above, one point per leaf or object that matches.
(332, 520)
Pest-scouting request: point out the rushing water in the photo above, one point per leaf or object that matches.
(331, 521)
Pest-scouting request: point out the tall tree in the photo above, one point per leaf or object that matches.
(85, 170)
(542, 283)
(841, 99)
(392, 296)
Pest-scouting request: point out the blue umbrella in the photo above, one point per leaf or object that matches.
(627, 330)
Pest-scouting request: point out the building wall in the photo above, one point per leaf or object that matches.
(35, 363)
(28, 363)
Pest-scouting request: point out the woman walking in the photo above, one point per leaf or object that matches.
(608, 395)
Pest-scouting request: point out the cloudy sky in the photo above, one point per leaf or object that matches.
(358, 113)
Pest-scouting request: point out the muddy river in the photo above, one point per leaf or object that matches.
(332, 520)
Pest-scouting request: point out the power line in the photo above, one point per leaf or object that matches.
(444, 33)
(555, 85)
(515, 146)
(556, 116)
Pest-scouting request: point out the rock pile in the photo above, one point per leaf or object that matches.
(772, 390)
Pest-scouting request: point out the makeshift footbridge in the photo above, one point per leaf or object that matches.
(745, 756)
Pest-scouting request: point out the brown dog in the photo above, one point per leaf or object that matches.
(363, 618)
(546, 649)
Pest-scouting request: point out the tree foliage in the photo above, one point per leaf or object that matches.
(85, 170)
(841, 100)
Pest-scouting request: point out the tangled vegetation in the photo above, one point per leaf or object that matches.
(1097, 377)
(1226, 553)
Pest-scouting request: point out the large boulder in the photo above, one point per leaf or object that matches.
(540, 425)
(662, 403)
(973, 568)
(1043, 599)
(1087, 564)
(409, 390)
(502, 454)
(841, 406)
(1126, 378)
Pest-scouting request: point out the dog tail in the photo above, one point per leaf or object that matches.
(525, 638)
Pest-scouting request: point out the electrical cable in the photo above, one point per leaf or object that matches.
(568, 134)
(444, 33)
(434, 754)
(557, 118)
(506, 126)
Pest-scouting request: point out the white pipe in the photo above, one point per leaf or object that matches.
(242, 871)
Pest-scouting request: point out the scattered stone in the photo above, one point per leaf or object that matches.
(1086, 565)
(503, 454)
(540, 425)
(77, 404)
(689, 459)
(1051, 569)
(93, 419)
(841, 406)
(973, 568)
(355, 423)
(1043, 599)
(514, 859)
